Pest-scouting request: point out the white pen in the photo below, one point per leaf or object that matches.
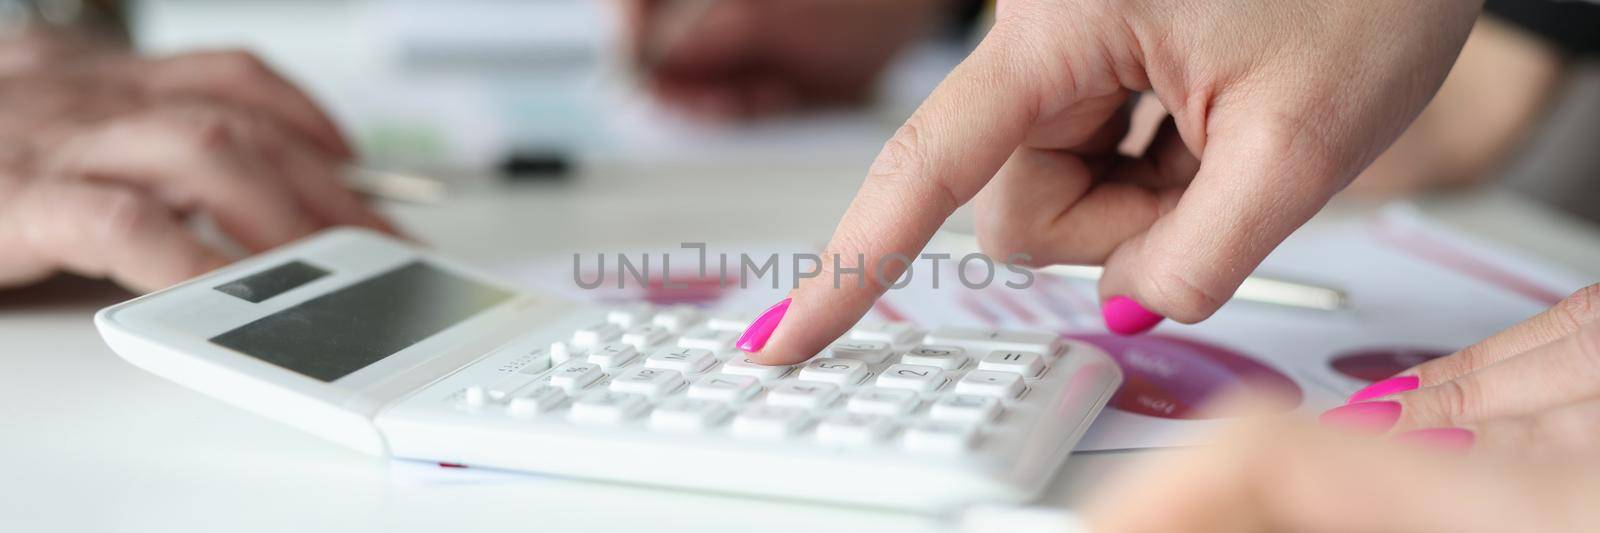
(1256, 288)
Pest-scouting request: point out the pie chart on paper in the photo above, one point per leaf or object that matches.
(1379, 363)
(1174, 377)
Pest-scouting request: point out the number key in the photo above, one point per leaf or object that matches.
(870, 352)
(946, 357)
(1026, 364)
(912, 377)
(724, 387)
(686, 360)
(840, 372)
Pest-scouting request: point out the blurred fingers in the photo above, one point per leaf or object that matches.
(242, 79)
(193, 156)
(105, 230)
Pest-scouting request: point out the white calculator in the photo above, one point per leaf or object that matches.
(377, 345)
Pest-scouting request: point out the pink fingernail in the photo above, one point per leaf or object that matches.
(1385, 388)
(756, 335)
(1365, 417)
(1126, 317)
(1452, 439)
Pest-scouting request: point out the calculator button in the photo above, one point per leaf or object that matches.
(1026, 364)
(651, 382)
(734, 322)
(870, 352)
(537, 362)
(561, 352)
(911, 377)
(769, 421)
(745, 367)
(688, 414)
(475, 397)
(574, 376)
(881, 401)
(534, 400)
(1003, 385)
(724, 387)
(983, 341)
(630, 316)
(644, 336)
(596, 334)
(685, 360)
(939, 437)
(606, 407)
(612, 355)
(840, 372)
(946, 357)
(677, 318)
(803, 394)
(964, 408)
(854, 429)
(889, 332)
(704, 338)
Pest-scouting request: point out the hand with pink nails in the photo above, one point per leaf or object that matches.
(1274, 108)
(1270, 475)
(1534, 387)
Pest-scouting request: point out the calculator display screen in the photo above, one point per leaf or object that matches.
(334, 334)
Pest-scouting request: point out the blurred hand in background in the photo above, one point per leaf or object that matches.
(734, 59)
(104, 157)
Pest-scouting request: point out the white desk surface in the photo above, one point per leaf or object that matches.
(90, 443)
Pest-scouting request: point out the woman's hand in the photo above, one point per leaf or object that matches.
(1276, 106)
(751, 58)
(1533, 387)
(104, 155)
(1288, 475)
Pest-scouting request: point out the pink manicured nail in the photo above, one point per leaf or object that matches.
(1384, 388)
(1453, 439)
(759, 331)
(1366, 417)
(1126, 317)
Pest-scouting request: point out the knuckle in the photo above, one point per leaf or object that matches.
(1302, 151)
(905, 165)
(1455, 403)
(1579, 308)
(903, 157)
(1180, 299)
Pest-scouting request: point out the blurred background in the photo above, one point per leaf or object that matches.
(539, 86)
(543, 88)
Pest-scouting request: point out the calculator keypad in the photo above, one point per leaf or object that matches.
(674, 370)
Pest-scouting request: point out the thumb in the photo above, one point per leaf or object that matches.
(1253, 189)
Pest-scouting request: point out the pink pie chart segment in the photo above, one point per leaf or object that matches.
(1375, 364)
(1175, 378)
